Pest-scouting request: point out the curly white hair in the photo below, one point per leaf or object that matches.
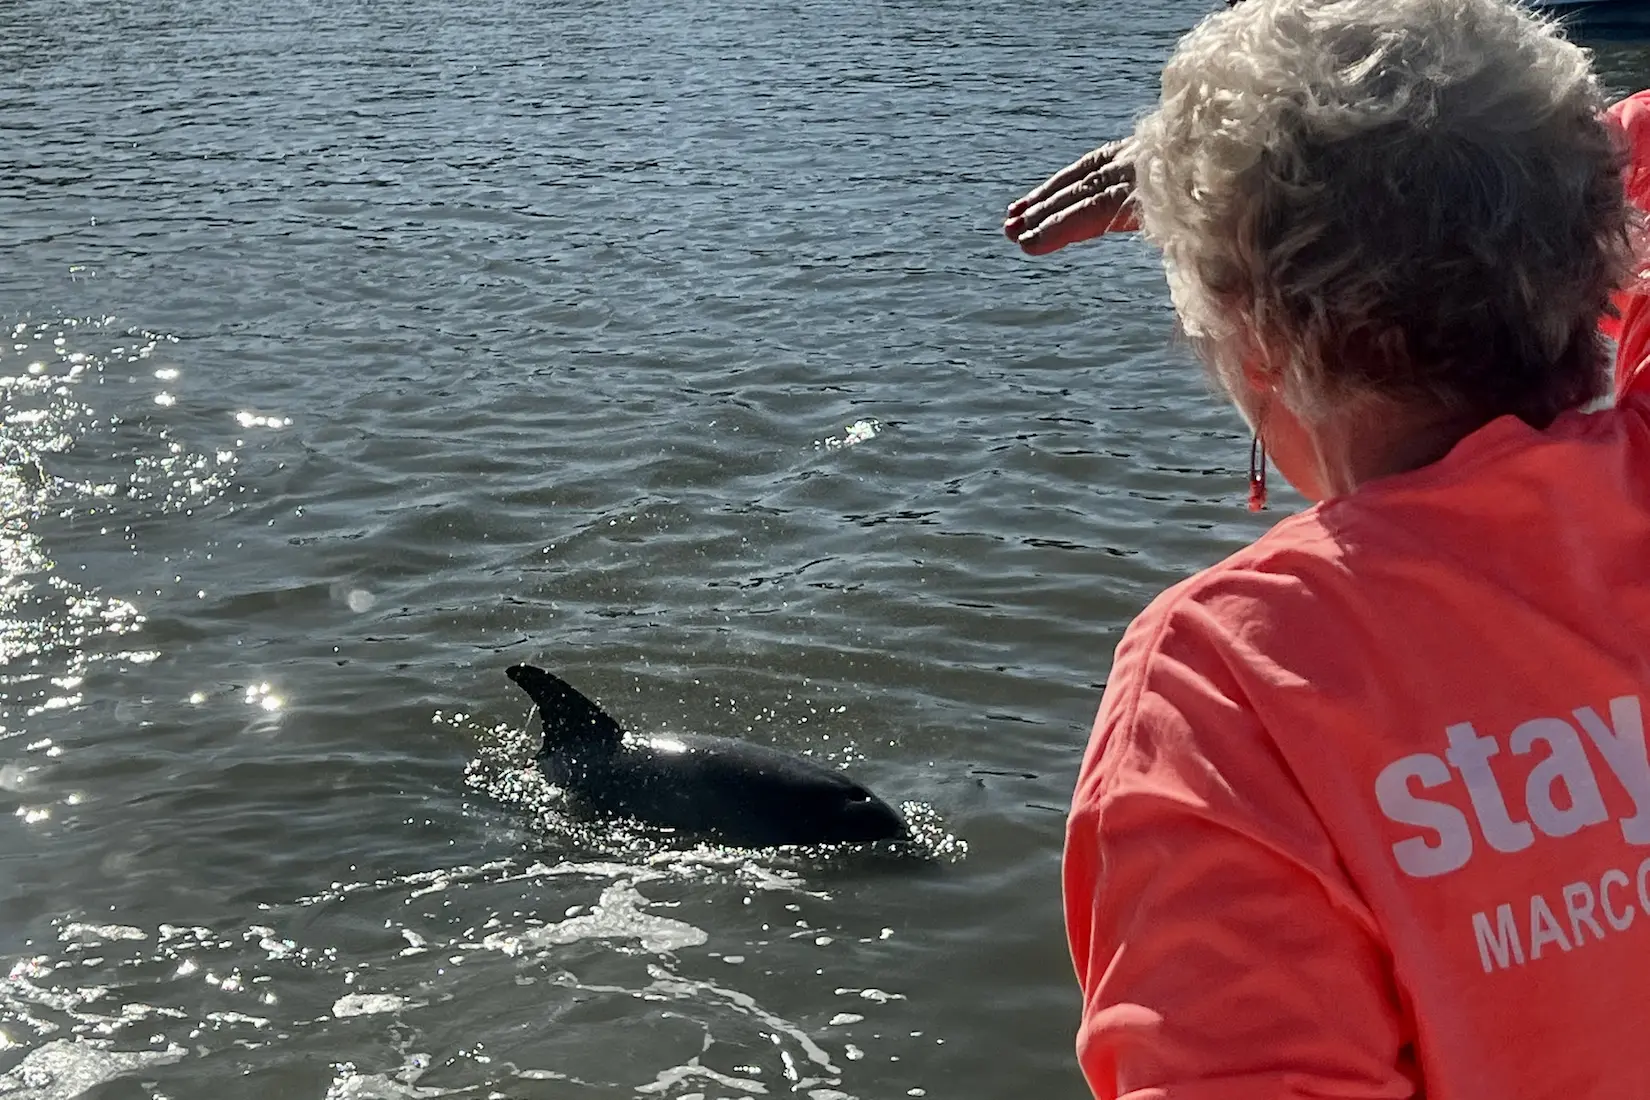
(1410, 200)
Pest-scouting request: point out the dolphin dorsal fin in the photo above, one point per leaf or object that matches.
(566, 714)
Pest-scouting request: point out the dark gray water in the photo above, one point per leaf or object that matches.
(353, 352)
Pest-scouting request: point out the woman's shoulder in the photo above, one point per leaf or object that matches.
(1180, 699)
(1207, 628)
(1290, 563)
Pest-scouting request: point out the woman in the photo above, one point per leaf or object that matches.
(1366, 812)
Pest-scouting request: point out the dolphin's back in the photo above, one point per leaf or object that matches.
(738, 792)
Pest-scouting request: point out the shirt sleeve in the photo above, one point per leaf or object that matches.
(1220, 951)
(1631, 330)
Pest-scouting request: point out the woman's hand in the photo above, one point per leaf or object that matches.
(1079, 202)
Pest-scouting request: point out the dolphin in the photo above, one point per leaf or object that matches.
(739, 793)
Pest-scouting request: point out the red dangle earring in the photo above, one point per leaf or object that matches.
(1257, 474)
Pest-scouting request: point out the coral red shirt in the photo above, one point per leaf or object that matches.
(1366, 812)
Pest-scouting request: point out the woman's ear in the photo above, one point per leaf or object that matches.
(1259, 377)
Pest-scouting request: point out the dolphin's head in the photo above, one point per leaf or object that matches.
(858, 816)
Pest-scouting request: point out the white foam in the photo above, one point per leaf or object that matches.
(64, 1069)
(97, 933)
(675, 1075)
(367, 1004)
(380, 1086)
(616, 916)
(877, 995)
(687, 989)
(386, 1086)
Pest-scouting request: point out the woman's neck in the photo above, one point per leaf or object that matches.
(1334, 456)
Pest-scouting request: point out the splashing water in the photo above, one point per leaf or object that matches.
(858, 432)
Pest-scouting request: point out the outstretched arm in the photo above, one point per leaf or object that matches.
(1085, 199)
(1088, 198)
